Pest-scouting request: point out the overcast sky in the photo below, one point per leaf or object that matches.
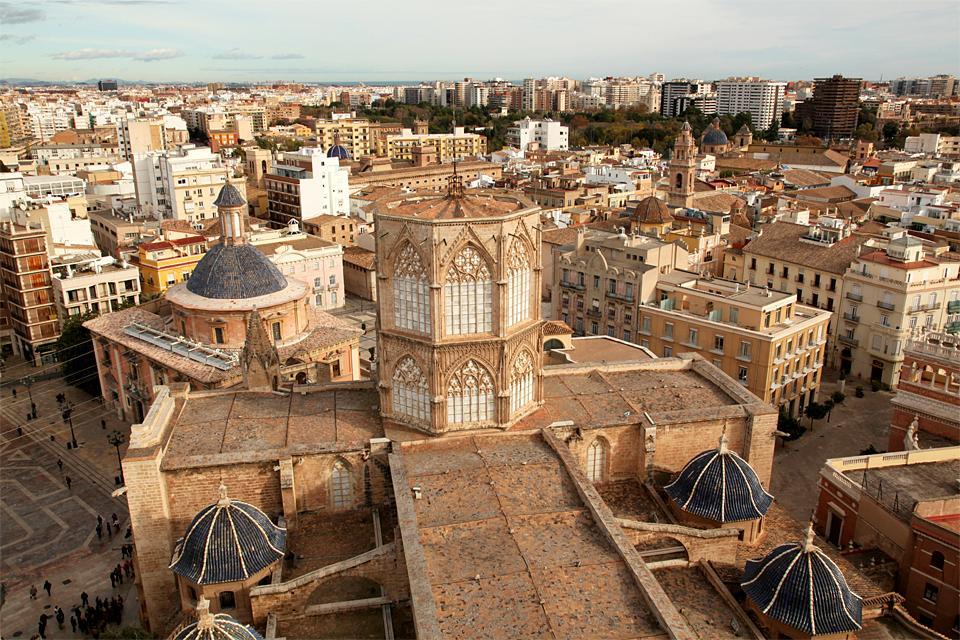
(336, 41)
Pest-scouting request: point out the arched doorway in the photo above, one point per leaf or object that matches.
(552, 343)
(302, 377)
(846, 362)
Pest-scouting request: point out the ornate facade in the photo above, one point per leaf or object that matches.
(459, 323)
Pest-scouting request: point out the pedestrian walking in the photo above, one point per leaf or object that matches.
(33, 592)
(58, 614)
(119, 574)
(47, 586)
(60, 464)
(113, 580)
(42, 627)
(110, 532)
(85, 600)
(99, 531)
(115, 520)
(68, 481)
(103, 423)
(73, 624)
(14, 390)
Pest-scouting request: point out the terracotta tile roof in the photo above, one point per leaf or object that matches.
(837, 192)
(556, 328)
(432, 207)
(781, 240)
(560, 237)
(360, 257)
(804, 178)
(170, 244)
(717, 202)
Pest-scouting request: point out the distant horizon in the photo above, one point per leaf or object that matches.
(171, 41)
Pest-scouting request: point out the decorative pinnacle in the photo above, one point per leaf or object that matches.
(224, 501)
(205, 619)
(722, 447)
(809, 537)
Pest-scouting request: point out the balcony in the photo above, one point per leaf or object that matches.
(930, 306)
(626, 297)
(889, 306)
(857, 297)
(952, 327)
(572, 285)
(593, 313)
(853, 342)
(852, 317)
(953, 306)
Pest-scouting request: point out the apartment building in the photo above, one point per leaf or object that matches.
(342, 230)
(762, 99)
(163, 263)
(449, 146)
(834, 107)
(136, 137)
(67, 159)
(421, 176)
(316, 262)
(887, 294)
(598, 281)
(808, 261)
(307, 184)
(28, 292)
(181, 184)
(762, 338)
(548, 135)
(351, 132)
(92, 284)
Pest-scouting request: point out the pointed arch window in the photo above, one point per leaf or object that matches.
(341, 486)
(470, 395)
(521, 382)
(468, 295)
(411, 396)
(411, 292)
(518, 283)
(597, 461)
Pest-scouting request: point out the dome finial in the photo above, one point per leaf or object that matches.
(809, 537)
(224, 500)
(722, 447)
(205, 619)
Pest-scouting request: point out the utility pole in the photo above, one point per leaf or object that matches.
(28, 382)
(68, 417)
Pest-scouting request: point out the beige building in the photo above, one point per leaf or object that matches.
(598, 282)
(91, 284)
(353, 133)
(761, 338)
(887, 294)
(449, 146)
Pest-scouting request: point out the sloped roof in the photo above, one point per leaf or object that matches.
(781, 240)
(652, 210)
(229, 196)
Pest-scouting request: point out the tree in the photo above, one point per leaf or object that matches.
(816, 411)
(890, 131)
(77, 358)
(789, 425)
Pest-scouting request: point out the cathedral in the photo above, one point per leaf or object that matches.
(478, 486)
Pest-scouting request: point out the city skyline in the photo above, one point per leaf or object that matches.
(169, 41)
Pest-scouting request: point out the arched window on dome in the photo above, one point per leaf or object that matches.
(521, 382)
(470, 395)
(518, 283)
(341, 486)
(411, 396)
(468, 295)
(411, 292)
(597, 461)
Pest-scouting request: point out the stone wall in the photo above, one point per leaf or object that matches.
(715, 545)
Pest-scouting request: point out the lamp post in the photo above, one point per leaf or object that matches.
(28, 382)
(116, 439)
(68, 417)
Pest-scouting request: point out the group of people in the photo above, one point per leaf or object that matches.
(125, 568)
(112, 526)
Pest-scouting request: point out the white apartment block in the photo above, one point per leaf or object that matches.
(306, 184)
(91, 284)
(762, 99)
(180, 184)
(548, 134)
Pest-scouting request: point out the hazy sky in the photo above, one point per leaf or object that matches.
(322, 40)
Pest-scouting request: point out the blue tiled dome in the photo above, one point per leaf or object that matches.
(338, 151)
(235, 271)
(228, 541)
(721, 486)
(714, 136)
(229, 196)
(218, 627)
(799, 586)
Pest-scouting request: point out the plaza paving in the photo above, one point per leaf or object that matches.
(48, 530)
(854, 425)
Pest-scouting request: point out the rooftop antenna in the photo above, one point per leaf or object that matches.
(455, 183)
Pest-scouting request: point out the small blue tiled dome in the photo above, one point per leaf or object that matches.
(222, 627)
(338, 151)
(799, 586)
(235, 271)
(714, 135)
(721, 486)
(228, 541)
(229, 196)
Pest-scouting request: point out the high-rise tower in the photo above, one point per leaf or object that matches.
(683, 169)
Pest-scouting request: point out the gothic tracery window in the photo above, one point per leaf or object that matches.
(411, 395)
(468, 294)
(597, 460)
(470, 395)
(518, 283)
(411, 292)
(521, 382)
(341, 486)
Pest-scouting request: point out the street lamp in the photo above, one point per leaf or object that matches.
(116, 439)
(28, 382)
(68, 417)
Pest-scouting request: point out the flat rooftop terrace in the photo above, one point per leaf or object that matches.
(218, 427)
(511, 550)
(900, 488)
